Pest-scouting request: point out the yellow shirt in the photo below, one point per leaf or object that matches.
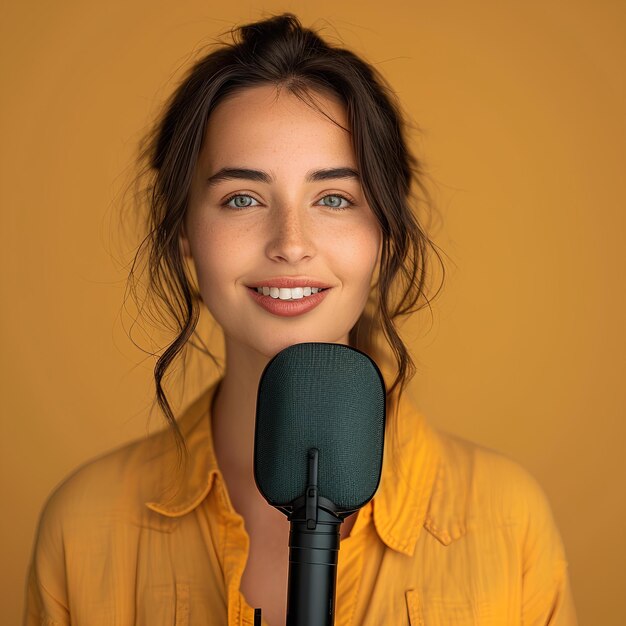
(469, 538)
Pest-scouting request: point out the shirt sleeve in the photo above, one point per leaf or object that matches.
(546, 594)
(46, 594)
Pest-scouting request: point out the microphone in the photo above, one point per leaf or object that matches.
(318, 452)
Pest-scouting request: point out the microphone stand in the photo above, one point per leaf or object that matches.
(314, 539)
(313, 551)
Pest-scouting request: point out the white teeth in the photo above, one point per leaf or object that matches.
(288, 294)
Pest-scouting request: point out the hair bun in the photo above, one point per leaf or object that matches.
(258, 36)
(277, 26)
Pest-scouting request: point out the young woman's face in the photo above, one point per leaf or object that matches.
(291, 218)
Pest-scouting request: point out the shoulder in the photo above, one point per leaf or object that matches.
(489, 487)
(97, 507)
(112, 487)
(486, 472)
(505, 510)
(94, 519)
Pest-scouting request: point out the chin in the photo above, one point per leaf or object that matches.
(271, 348)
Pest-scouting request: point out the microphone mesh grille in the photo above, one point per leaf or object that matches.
(325, 396)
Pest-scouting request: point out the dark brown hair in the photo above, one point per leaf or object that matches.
(280, 51)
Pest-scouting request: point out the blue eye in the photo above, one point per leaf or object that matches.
(238, 205)
(337, 205)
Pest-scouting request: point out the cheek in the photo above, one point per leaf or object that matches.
(358, 250)
(361, 249)
(216, 260)
(217, 253)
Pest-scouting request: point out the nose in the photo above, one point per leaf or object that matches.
(290, 239)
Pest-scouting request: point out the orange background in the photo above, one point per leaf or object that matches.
(522, 107)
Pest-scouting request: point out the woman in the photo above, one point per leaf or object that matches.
(281, 177)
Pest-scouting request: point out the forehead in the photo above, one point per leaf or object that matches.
(260, 123)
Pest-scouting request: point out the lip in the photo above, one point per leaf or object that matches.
(287, 308)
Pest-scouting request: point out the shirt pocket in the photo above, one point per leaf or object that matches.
(438, 610)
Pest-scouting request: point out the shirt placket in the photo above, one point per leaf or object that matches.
(349, 570)
(235, 546)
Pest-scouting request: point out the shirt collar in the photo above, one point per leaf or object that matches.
(414, 491)
(179, 490)
(411, 462)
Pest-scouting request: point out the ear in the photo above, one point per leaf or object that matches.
(184, 242)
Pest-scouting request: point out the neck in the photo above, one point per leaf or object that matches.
(234, 410)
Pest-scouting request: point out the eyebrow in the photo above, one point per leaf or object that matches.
(231, 173)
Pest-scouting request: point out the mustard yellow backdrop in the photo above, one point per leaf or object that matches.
(522, 107)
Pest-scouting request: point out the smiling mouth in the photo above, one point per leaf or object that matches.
(288, 301)
(284, 293)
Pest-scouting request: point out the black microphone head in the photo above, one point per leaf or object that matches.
(326, 396)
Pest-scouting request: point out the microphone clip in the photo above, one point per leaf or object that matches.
(311, 496)
(308, 508)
